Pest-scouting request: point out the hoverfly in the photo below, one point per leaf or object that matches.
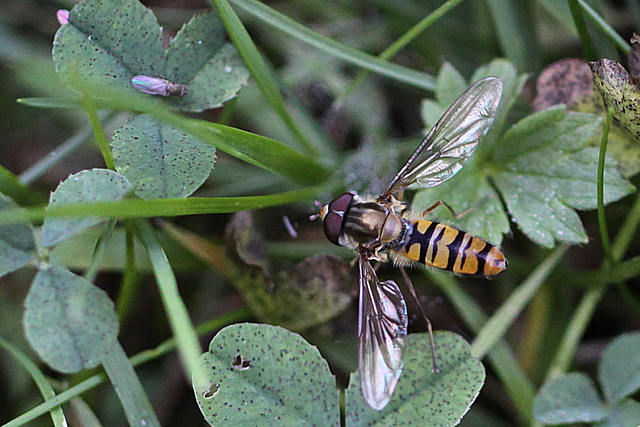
(384, 229)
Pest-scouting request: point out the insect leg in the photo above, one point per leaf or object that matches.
(407, 280)
(453, 212)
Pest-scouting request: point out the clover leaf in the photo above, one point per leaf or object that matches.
(116, 40)
(160, 160)
(573, 397)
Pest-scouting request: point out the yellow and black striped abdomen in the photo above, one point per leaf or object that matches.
(438, 245)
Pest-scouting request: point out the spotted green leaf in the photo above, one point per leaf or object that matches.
(115, 40)
(69, 322)
(620, 92)
(265, 375)
(570, 82)
(93, 185)
(425, 397)
(159, 160)
(543, 168)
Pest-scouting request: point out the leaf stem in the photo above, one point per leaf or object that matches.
(130, 280)
(602, 220)
(98, 131)
(100, 250)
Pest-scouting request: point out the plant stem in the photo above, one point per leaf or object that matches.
(61, 152)
(602, 220)
(98, 131)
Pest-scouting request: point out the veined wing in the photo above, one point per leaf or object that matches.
(453, 139)
(382, 327)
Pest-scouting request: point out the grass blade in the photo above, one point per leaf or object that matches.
(183, 330)
(57, 416)
(11, 186)
(257, 150)
(404, 40)
(605, 28)
(127, 385)
(349, 54)
(510, 19)
(159, 207)
(494, 329)
(583, 33)
(259, 69)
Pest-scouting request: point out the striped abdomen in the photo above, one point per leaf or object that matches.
(441, 246)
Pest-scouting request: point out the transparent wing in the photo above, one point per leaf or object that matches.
(382, 327)
(453, 139)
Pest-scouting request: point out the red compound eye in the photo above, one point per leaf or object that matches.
(334, 219)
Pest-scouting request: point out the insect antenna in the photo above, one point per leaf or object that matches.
(407, 280)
